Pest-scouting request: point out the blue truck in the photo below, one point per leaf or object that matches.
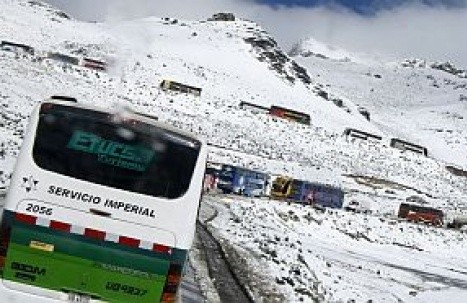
(241, 181)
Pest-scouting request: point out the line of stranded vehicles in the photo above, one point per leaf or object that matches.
(283, 187)
(177, 87)
(229, 179)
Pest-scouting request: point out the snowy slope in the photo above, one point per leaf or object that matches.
(410, 99)
(338, 256)
(232, 62)
(238, 61)
(314, 48)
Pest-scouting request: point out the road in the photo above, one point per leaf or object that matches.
(190, 291)
(225, 281)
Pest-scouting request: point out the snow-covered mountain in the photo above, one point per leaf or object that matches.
(313, 48)
(308, 256)
(422, 102)
(237, 61)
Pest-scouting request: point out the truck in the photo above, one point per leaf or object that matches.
(305, 192)
(241, 181)
(421, 214)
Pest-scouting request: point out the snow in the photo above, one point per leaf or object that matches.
(339, 256)
(310, 47)
(427, 102)
(341, 252)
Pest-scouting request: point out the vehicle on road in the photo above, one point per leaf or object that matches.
(241, 181)
(358, 207)
(421, 214)
(173, 86)
(211, 177)
(102, 206)
(314, 194)
(290, 115)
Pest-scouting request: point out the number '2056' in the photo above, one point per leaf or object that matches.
(34, 208)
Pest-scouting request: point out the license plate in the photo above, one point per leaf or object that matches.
(77, 298)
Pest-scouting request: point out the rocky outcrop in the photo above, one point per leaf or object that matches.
(267, 50)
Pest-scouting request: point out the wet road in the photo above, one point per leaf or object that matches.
(224, 280)
(190, 291)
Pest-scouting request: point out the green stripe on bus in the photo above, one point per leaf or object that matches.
(60, 272)
(65, 244)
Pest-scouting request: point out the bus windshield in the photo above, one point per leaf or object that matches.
(226, 175)
(121, 153)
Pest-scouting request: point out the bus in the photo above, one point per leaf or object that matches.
(241, 181)
(290, 114)
(404, 145)
(355, 133)
(167, 85)
(314, 194)
(102, 206)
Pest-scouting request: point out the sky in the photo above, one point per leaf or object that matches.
(431, 29)
(365, 7)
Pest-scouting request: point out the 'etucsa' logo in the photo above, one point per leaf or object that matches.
(134, 157)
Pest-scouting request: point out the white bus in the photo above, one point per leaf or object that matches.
(101, 207)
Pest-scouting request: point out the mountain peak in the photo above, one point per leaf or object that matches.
(312, 47)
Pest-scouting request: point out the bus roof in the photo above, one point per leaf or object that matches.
(141, 116)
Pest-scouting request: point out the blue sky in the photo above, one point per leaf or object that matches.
(365, 7)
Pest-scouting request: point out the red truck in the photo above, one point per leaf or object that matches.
(421, 214)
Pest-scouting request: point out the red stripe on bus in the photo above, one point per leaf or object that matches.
(26, 218)
(95, 234)
(60, 226)
(129, 241)
(161, 248)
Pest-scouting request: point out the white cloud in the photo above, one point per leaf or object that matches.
(433, 33)
(412, 30)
